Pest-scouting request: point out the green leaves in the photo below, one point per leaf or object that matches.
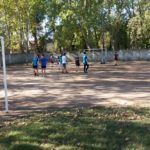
(81, 23)
(138, 30)
(17, 21)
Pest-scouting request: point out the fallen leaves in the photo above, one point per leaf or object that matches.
(118, 115)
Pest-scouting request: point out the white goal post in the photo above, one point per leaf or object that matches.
(4, 72)
(101, 58)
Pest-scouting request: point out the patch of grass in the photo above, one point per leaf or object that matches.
(98, 128)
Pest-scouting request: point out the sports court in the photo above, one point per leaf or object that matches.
(127, 84)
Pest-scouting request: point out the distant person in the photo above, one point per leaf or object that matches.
(85, 62)
(116, 57)
(57, 60)
(77, 62)
(35, 64)
(52, 60)
(60, 61)
(43, 64)
(64, 63)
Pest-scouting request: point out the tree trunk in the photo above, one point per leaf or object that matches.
(7, 26)
(35, 39)
(27, 26)
(96, 38)
(20, 25)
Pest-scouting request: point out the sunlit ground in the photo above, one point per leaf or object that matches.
(127, 84)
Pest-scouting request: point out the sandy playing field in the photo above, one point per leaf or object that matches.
(127, 84)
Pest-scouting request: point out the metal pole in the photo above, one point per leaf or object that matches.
(4, 73)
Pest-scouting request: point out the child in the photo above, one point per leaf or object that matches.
(85, 62)
(60, 61)
(52, 60)
(35, 64)
(116, 57)
(43, 64)
(77, 62)
(64, 63)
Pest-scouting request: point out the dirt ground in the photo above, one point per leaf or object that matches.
(127, 84)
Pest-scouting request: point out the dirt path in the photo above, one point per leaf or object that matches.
(125, 85)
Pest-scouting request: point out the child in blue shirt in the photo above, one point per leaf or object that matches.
(35, 64)
(43, 64)
(85, 62)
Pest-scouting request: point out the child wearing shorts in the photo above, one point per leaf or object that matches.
(116, 58)
(35, 64)
(64, 63)
(85, 62)
(43, 64)
(77, 63)
(52, 60)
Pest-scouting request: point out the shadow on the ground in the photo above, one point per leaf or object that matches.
(97, 128)
(103, 85)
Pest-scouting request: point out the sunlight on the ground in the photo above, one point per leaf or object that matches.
(101, 86)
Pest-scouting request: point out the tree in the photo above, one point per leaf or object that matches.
(139, 26)
(76, 24)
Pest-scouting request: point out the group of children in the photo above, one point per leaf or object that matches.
(42, 60)
(35, 62)
(62, 62)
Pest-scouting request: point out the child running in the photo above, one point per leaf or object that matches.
(35, 64)
(43, 65)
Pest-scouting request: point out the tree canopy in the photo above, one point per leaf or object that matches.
(75, 24)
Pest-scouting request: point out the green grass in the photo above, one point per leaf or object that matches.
(99, 128)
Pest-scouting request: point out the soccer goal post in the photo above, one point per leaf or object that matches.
(99, 55)
(4, 72)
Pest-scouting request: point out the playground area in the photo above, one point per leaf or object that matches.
(127, 84)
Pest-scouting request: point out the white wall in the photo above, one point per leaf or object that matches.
(124, 55)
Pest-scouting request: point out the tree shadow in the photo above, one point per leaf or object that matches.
(96, 128)
(104, 84)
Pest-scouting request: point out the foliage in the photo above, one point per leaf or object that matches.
(18, 20)
(76, 24)
(139, 28)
